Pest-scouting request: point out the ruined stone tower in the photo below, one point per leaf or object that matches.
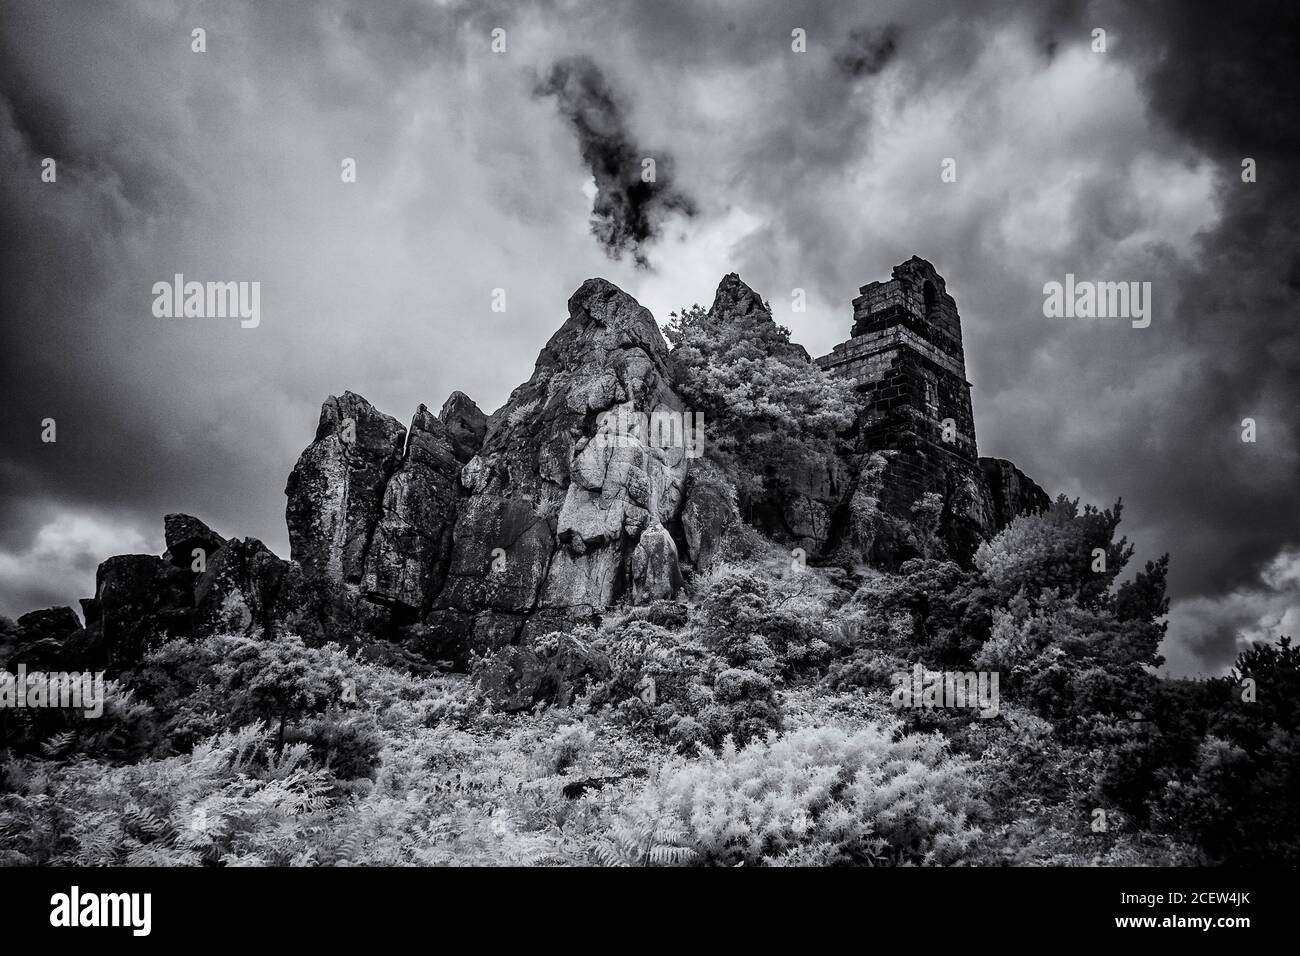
(906, 357)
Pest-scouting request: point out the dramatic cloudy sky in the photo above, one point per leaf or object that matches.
(478, 170)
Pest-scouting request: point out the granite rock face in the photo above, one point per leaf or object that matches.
(49, 639)
(241, 590)
(709, 513)
(55, 623)
(140, 603)
(655, 571)
(410, 547)
(336, 490)
(185, 535)
(567, 481)
(466, 425)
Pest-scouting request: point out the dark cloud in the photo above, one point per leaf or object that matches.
(868, 51)
(630, 204)
(1229, 87)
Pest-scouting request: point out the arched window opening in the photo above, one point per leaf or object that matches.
(931, 295)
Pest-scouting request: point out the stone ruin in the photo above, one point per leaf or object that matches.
(906, 358)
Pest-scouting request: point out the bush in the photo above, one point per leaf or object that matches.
(347, 745)
(820, 796)
(864, 669)
(235, 796)
(772, 624)
(224, 682)
(679, 689)
(570, 743)
(668, 614)
(550, 672)
(1241, 808)
(772, 412)
(1053, 550)
(745, 707)
(127, 730)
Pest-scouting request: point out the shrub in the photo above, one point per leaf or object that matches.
(668, 614)
(681, 690)
(820, 796)
(347, 745)
(764, 622)
(126, 730)
(224, 682)
(864, 669)
(567, 747)
(1053, 550)
(234, 797)
(745, 707)
(551, 672)
(771, 410)
(1242, 808)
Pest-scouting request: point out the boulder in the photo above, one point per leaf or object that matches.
(655, 571)
(336, 490)
(57, 623)
(49, 639)
(184, 535)
(140, 603)
(240, 590)
(709, 512)
(968, 516)
(466, 425)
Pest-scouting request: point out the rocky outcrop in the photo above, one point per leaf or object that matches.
(466, 425)
(336, 490)
(55, 623)
(410, 548)
(49, 639)
(1011, 492)
(469, 533)
(656, 573)
(708, 514)
(567, 482)
(189, 541)
(242, 591)
(140, 603)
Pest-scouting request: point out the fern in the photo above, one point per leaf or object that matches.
(642, 838)
(58, 743)
(822, 794)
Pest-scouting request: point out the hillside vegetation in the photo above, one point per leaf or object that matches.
(750, 722)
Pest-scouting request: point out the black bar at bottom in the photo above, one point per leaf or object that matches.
(545, 907)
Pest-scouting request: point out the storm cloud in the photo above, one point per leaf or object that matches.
(634, 188)
(868, 51)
